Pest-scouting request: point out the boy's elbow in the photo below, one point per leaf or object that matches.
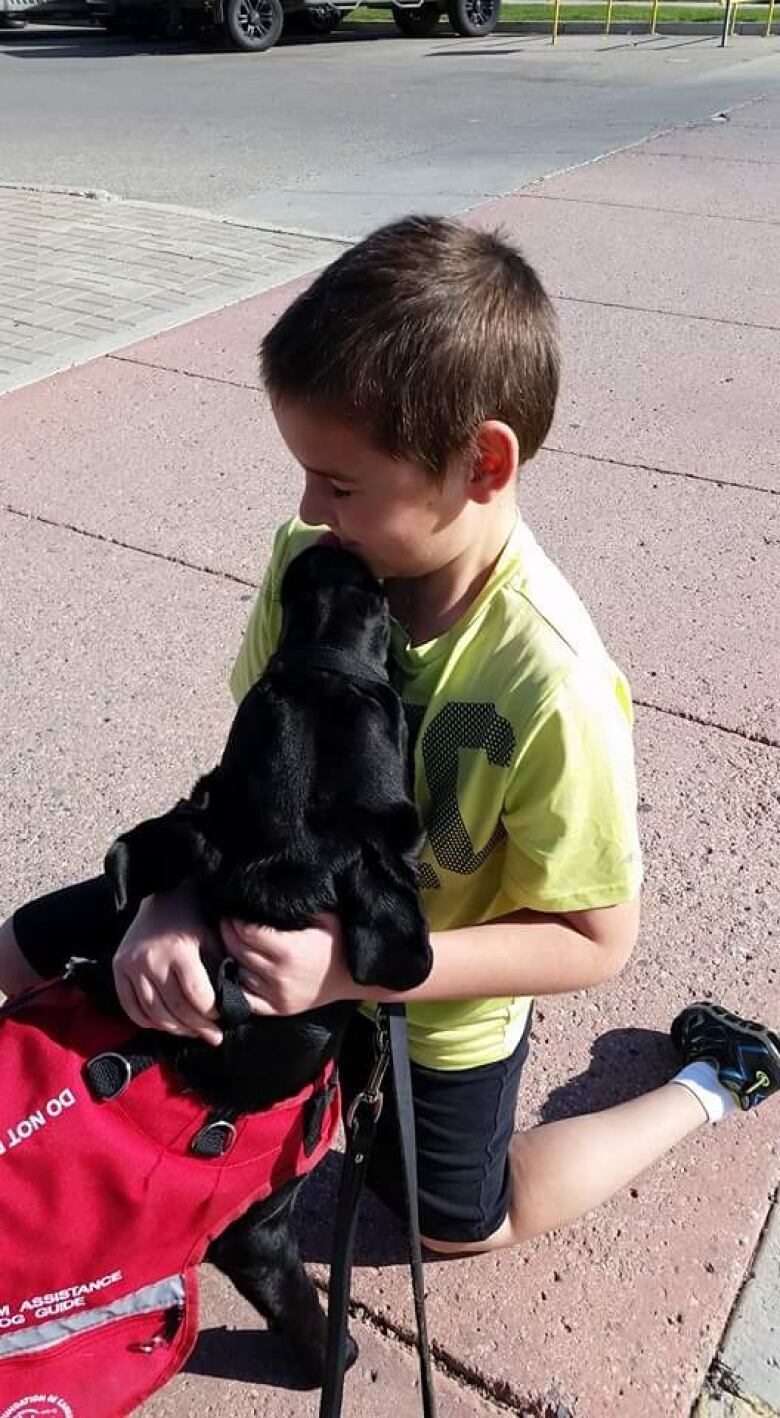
(616, 957)
(614, 931)
(622, 937)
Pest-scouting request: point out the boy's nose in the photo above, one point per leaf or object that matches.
(314, 509)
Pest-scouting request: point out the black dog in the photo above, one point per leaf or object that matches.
(308, 811)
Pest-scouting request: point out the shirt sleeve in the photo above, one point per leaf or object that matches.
(570, 811)
(260, 638)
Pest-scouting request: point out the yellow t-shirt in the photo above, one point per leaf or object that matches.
(523, 768)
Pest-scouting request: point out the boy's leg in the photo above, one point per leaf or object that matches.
(464, 1123)
(563, 1169)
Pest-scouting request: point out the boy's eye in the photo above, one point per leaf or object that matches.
(339, 491)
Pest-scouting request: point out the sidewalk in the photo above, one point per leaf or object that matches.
(141, 493)
(83, 272)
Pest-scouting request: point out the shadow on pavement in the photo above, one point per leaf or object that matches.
(249, 1356)
(92, 42)
(623, 1064)
(381, 1239)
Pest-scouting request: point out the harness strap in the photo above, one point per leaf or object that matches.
(217, 1136)
(315, 1111)
(232, 1004)
(361, 1124)
(107, 1075)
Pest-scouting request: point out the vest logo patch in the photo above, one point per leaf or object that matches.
(38, 1118)
(39, 1405)
(53, 1303)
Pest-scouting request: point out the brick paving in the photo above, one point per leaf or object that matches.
(83, 275)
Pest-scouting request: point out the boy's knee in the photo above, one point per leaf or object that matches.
(16, 973)
(497, 1241)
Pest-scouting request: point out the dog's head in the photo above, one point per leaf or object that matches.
(329, 597)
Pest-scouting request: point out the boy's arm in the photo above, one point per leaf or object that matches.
(528, 953)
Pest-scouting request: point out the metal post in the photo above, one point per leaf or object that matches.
(726, 30)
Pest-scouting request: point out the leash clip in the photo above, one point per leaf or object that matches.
(372, 1096)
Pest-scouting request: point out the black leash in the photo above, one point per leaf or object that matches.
(361, 1124)
(399, 1050)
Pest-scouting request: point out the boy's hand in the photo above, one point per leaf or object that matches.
(287, 972)
(160, 977)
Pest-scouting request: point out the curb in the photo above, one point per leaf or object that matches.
(711, 28)
(744, 1381)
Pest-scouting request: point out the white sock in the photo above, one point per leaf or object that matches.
(701, 1079)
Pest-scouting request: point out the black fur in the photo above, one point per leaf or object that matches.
(308, 811)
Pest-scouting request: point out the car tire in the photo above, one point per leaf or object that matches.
(419, 23)
(253, 25)
(472, 18)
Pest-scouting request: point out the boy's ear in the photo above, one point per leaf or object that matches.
(496, 460)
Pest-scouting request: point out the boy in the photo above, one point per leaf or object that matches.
(410, 382)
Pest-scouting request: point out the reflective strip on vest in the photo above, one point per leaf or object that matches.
(163, 1295)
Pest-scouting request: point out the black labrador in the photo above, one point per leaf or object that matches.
(308, 811)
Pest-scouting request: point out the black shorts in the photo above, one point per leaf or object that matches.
(464, 1118)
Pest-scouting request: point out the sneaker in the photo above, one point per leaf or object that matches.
(746, 1055)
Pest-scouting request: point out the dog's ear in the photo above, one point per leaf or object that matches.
(384, 929)
(118, 870)
(158, 855)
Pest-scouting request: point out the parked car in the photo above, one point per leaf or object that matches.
(470, 18)
(258, 24)
(14, 14)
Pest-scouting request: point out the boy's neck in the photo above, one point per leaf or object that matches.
(427, 606)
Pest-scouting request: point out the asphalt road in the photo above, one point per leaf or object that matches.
(338, 134)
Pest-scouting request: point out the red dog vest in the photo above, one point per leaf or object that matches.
(106, 1212)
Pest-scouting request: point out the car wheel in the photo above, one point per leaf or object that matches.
(472, 18)
(253, 24)
(418, 23)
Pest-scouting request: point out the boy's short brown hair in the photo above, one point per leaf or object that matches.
(418, 334)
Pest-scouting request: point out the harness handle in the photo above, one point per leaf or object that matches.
(232, 1004)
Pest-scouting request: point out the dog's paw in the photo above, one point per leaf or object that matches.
(312, 1361)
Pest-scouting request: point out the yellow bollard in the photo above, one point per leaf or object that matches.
(555, 20)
